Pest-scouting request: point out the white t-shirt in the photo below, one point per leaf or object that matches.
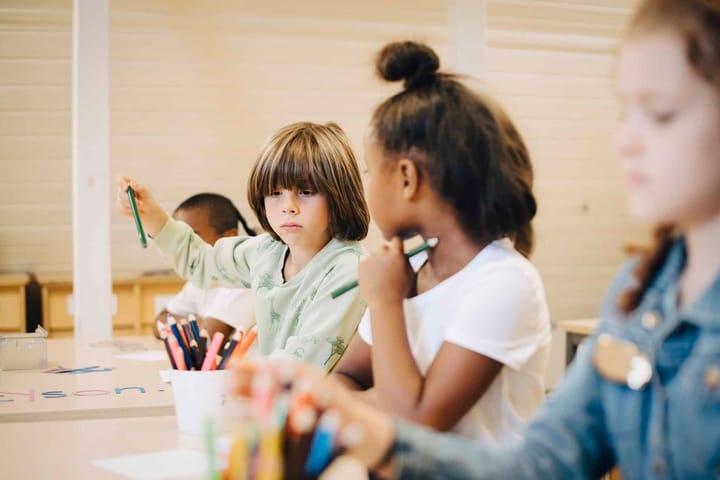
(234, 306)
(494, 306)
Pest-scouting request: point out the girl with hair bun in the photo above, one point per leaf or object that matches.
(456, 338)
(643, 394)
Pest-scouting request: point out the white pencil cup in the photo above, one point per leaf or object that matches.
(200, 395)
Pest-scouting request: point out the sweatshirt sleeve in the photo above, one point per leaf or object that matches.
(227, 263)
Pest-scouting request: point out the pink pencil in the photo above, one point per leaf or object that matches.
(213, 349)
(177, 352)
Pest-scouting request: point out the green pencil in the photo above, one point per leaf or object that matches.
(213, 473)
(426, 245)
(136, 216)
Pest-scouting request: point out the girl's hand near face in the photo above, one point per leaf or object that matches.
(386, 276)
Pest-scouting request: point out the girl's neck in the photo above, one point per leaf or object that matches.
(454, 250)
(703, 259)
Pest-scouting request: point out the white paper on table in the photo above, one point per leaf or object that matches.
(157, 465)
(146, 356)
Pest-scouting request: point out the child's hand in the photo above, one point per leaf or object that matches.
(363, 431)
(386, 276)
(151, 213)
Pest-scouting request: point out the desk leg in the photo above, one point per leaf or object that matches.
(572, 341)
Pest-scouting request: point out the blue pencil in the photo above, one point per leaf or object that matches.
(185, 348)
(322, 447)
(194, 326)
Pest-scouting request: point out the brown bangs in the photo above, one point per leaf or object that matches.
(316, 157)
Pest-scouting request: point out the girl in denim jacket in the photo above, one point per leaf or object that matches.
(644, 392)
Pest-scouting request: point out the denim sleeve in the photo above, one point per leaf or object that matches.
(567, 439)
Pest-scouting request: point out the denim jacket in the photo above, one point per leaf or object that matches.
(668, 429)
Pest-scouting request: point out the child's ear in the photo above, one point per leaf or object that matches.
(233, 232)
(410, 177)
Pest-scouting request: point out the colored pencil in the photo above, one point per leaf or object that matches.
(136, 216)
(426, 245)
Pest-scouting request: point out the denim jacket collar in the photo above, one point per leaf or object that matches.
(705, 311)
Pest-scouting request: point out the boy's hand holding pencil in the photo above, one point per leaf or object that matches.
(135, 201)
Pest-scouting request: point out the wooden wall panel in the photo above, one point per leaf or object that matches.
(196, 88)
(550, 63)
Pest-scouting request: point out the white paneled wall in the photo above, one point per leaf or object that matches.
(35, 126)
(550, 63)
(196, 88)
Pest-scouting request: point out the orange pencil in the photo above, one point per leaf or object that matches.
(245, 345)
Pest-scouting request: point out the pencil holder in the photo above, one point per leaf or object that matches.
(200, 395)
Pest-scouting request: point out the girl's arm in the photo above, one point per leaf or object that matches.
(463, 368)
(354, 370)
(457, 377)
(567, 439)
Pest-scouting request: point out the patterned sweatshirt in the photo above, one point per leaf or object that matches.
(296, 318)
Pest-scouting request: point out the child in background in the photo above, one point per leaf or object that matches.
(212, 217)
(458, 337)
(306, 191)
(644, 392)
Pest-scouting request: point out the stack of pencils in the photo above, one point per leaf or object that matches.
(190, 348)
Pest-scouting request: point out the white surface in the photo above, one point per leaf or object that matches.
(148, 356)
(157, 465)
(200, 395)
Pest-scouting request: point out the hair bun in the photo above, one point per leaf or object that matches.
(415, 63)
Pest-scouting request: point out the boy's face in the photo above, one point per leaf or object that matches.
(300, 217)
(199, 221)
(669, 136)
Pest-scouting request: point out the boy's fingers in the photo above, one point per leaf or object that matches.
(241, 381)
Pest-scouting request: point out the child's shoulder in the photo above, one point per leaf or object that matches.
(339, 257)
(258, 249)
(346, 251)
(501, 254)
(500, 264)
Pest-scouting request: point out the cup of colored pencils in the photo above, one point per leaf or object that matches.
(199, 376)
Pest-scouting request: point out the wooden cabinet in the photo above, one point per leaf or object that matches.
(12, 301)
(135, 302)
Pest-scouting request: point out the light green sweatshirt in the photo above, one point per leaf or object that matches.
(298, 318)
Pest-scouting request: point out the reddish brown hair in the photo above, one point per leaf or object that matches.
(698, 24)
